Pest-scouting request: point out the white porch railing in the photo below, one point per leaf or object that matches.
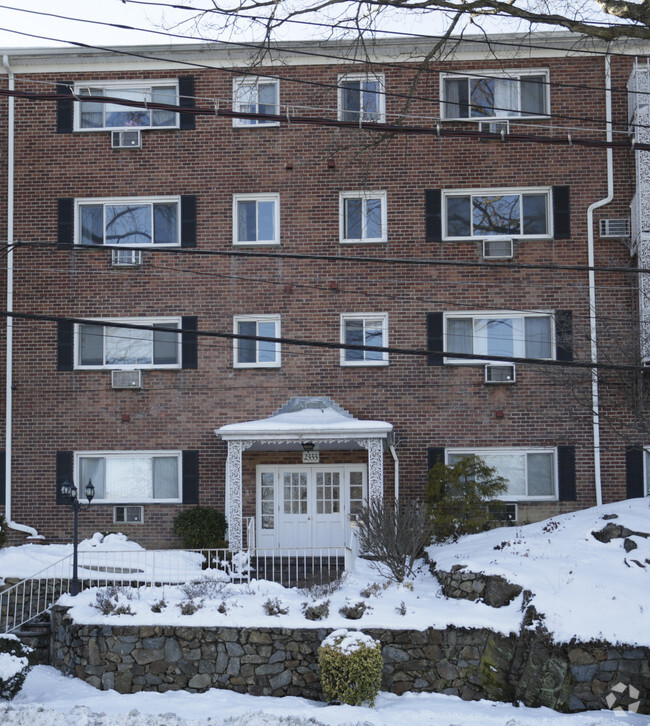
(302, 567)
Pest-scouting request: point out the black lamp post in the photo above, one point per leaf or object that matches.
(69, 492)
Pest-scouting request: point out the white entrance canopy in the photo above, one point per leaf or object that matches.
(305, 419)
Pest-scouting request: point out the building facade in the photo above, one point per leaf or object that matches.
(284, 288)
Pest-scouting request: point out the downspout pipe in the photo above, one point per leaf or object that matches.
(393, 453)
(593, 332)
(10, 306)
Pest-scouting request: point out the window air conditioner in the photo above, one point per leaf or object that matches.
(500, 512)
(498, 248)
(494, 127)
(126, 258)
(500, 373)
(126, 139)
(617, 228)
(126, 379)
(128, 514)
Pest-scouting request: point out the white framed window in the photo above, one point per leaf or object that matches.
(369, 329)
(131, 221)
(362, 217)
(500, 333)
(255, 95)
(102, 345)
(90, 116)
(481, 213)
(531, 473)
(250, 353)
(131, 476)
(362, 97)
(495, 95)
(256, 219)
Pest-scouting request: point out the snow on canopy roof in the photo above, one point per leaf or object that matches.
(314, 417)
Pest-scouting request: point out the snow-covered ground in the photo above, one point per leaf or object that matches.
(585, 589)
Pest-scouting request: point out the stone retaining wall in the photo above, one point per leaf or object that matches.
(469, 663)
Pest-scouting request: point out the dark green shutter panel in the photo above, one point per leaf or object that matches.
(189, 342)
(64, 460)
(190, 477)
(561, 213)
(433, 215)
(65, 223)
(64, 108)
(65, 346)
(3, 478)
(435, 454)
(566, 467)
(434, 339)
(188, 220)
(634, 471)
(186, 100)
(564, 335)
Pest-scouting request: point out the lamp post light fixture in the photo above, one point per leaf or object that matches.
(69, 492)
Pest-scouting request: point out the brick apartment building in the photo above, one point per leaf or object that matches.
(253, 219)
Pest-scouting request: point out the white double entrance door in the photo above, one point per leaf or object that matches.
(308, 506)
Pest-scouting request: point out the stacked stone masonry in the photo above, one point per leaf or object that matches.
(470, 663)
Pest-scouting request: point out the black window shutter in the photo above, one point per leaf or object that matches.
(186, 100)
(634, 471)
(561, 213)
(189, 342)
(434, 339)
(64, 108)
(190, 477)
(65, 223)
(188, 220)
(564, 335)
(64, 461)
(435, 454)
(3, 479)
(566, 467)
(433, 215)
(65, 346)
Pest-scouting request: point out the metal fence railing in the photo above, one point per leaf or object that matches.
(23, 601)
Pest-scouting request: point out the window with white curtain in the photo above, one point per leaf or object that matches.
(131, 476)
(483, 96)
(530, 473)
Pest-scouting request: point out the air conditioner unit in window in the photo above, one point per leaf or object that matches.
(494, 127)
(500, 373)
(501, 512)
(126, 139)
(126, 379)
(128, 515)
(126, 258)
(498, 248)
(616, 228)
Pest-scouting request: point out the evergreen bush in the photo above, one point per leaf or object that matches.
(3, 530)
(350, 665)
(201, 528)
(14, 666)
(458, 496)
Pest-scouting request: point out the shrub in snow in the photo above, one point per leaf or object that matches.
(350, 665)
(201, 528)
(189, 607)
(113, 600)
(14, 665)
(207, 588)
(354, 611)
(273, 606)
(316, 611)
(3, 530)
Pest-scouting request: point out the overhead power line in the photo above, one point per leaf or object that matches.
(416, 352)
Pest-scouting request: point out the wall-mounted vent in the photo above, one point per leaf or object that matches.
(501, 512)
(126, 139)
(500, 373)
(494, 127)
(616, 228)
(498, 248)
(126, 258)
(126, 379)
(128, 515)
